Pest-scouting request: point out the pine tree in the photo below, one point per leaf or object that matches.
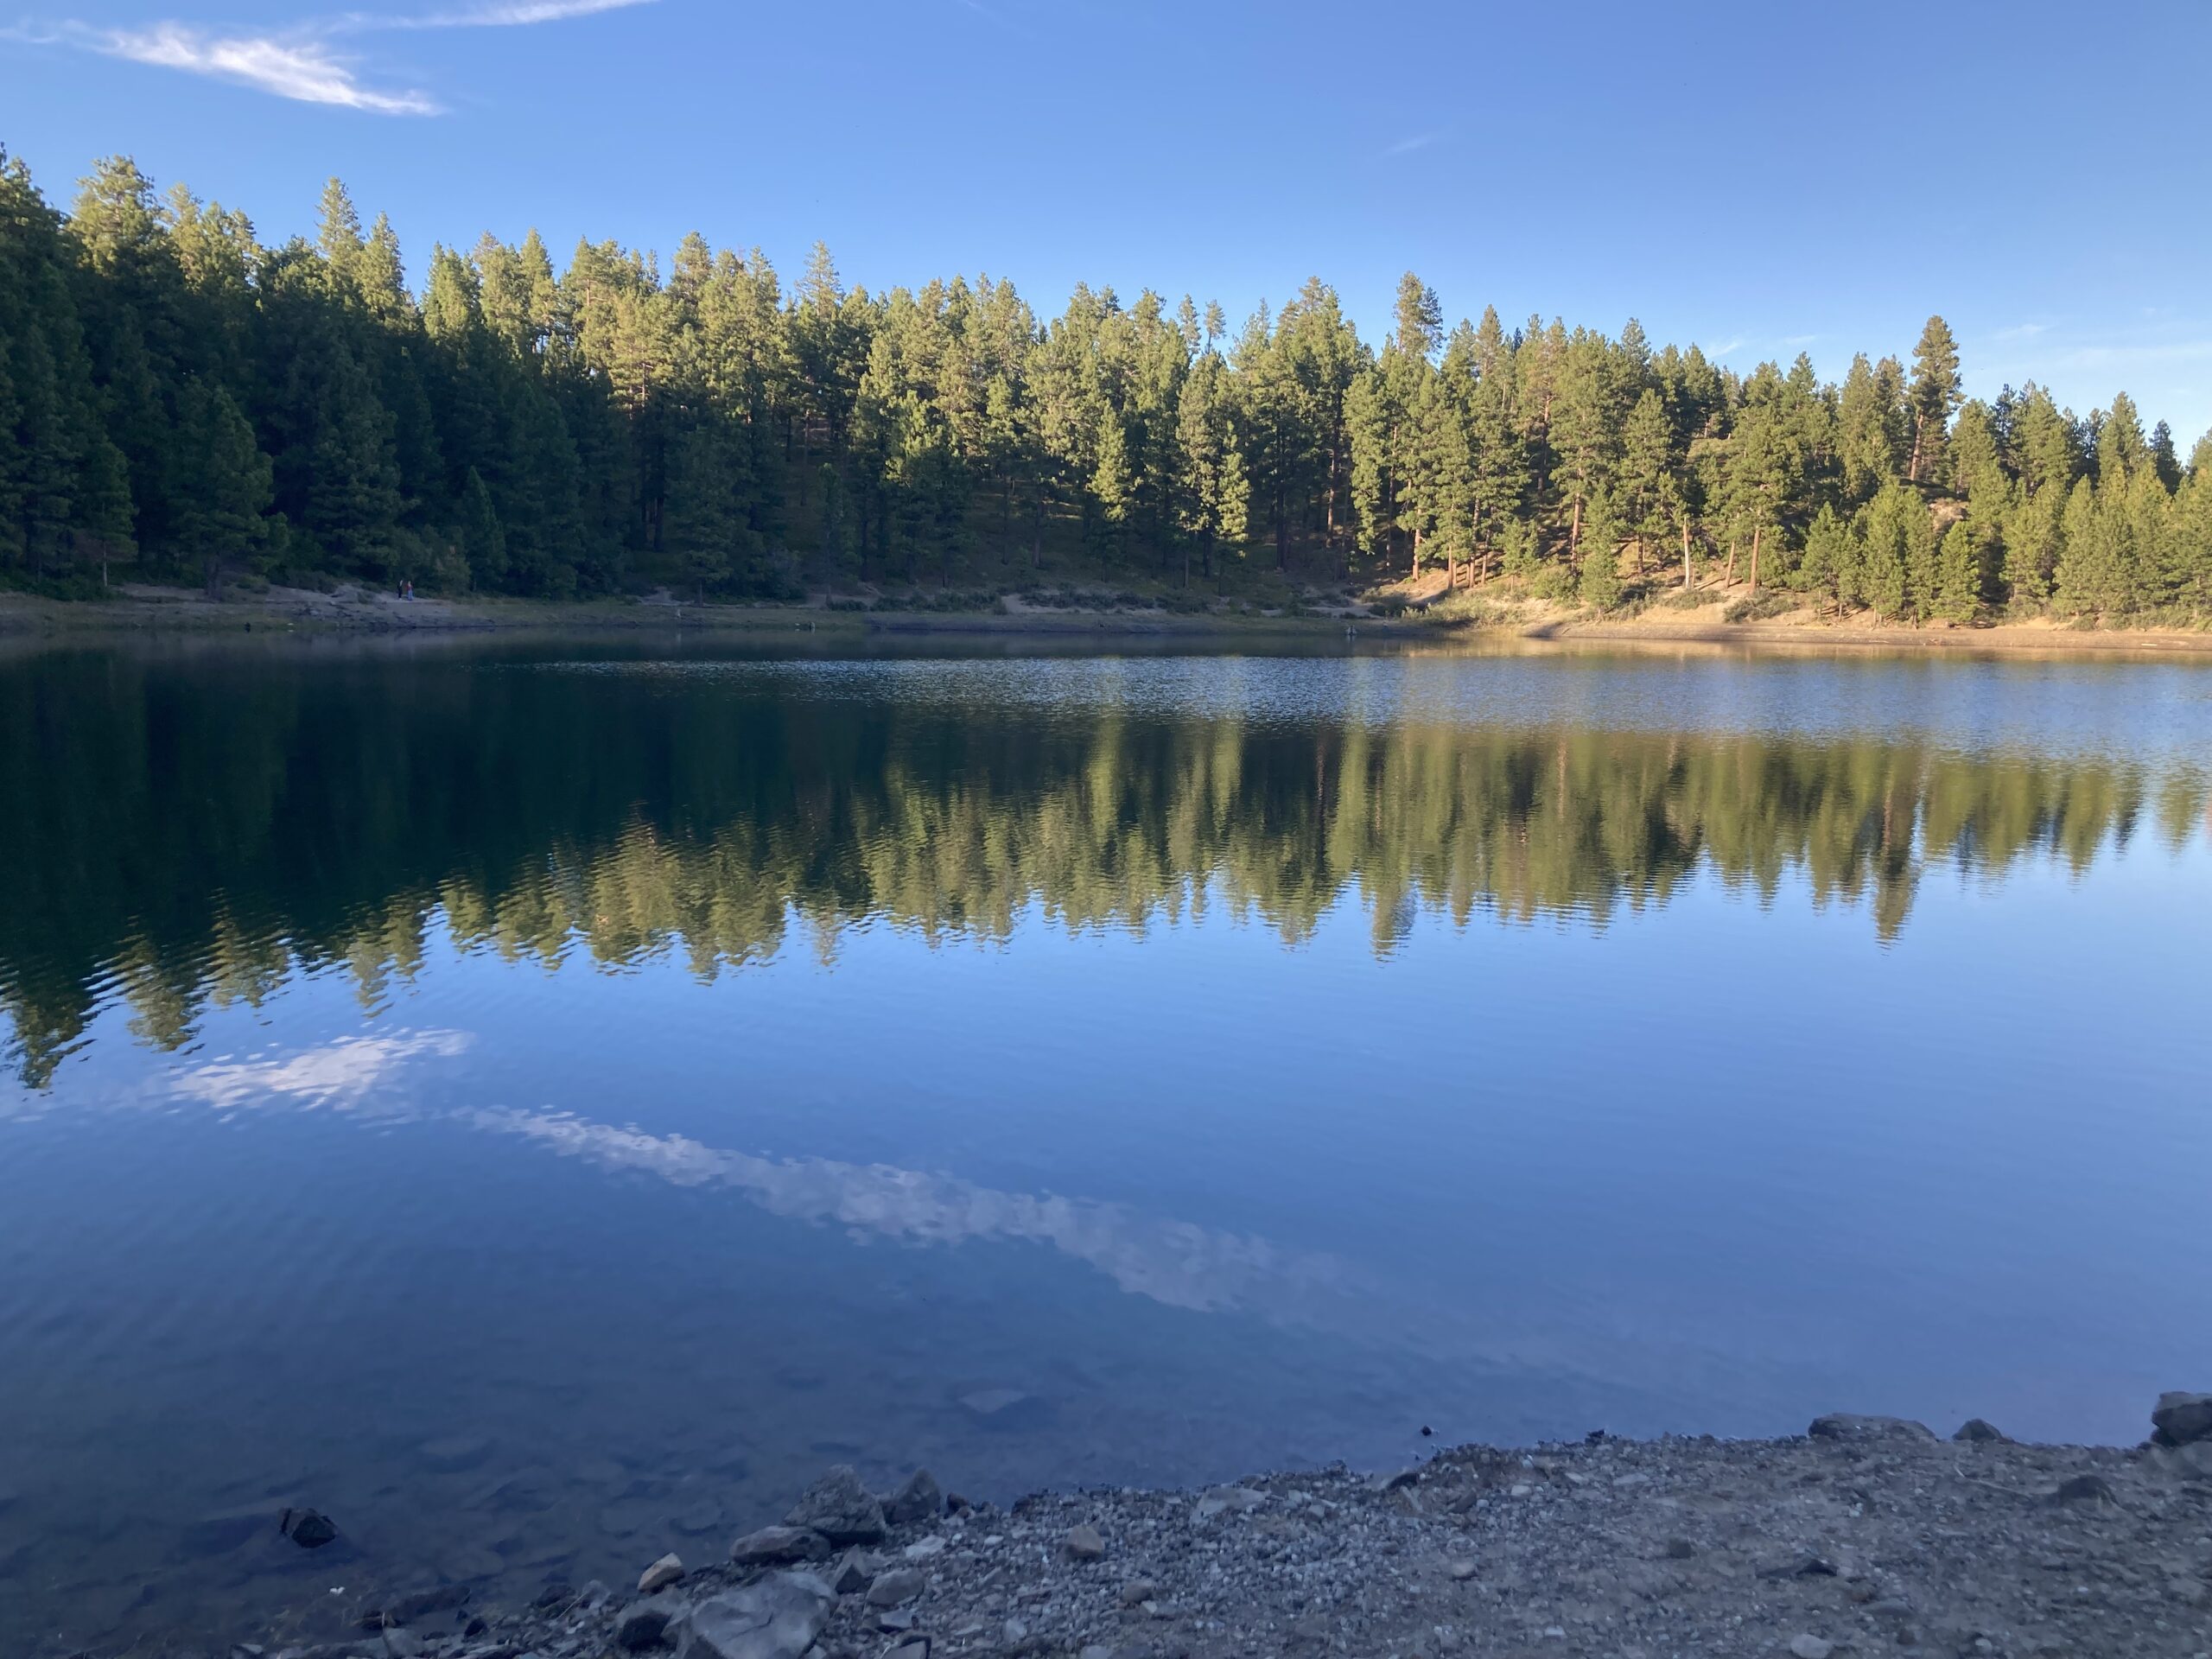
(1958, 585)
(1935, 395)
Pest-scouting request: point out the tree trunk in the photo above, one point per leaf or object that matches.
(1574, 534)
(1758, 530)
(1687, 583)
(1729, 575)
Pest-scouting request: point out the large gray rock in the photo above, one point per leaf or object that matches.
(2183, 1418)
(919, 1499)
(840, 1508)
(1975, 1430)
(643, 1625)
(774, 1545)
(1848, 1426)
(776, 1619)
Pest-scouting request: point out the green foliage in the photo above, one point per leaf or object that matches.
(173, 391)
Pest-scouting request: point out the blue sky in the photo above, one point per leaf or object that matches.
(1762, 179)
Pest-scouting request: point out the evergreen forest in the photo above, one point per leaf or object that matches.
(184, 402)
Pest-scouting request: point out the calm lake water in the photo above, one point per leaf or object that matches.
(540, 1103)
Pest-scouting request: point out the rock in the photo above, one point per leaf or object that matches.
(2084, 1489)
(1096, 1651)
(454, 1453)
(401, 1644)
(852, 1574)
(1084, 1543)
(839, 1508)
(1461, 1569)
(644, 1625)
(1137, 1592)
(1220, 1500)
(309, 1528)
(1392, 1481)
(893, 1622)
(663, 1572)
(900, 1585)
(1680, 1550)
(776, 1619)
(2193, 1461)
(919, 1498)
(774, 1545)
(923, 1550)
(2182, 1419)
(1014, 1632)
(1975, 1430)
(1810, 1647)
(917, 1648)
(1847, 1425)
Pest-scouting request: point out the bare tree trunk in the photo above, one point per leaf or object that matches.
(1758, 530)
(1687, 583)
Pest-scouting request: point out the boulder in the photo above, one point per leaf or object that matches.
(1975, 1430)
(853, 1574)
(1084, 1543)
(774, 1545)
(776, 1619)
(2182, 1419)
(919, 1498)
(1849, 1426)
(644, 1625)
(842, 1510)
(663, 1572)
(309, 1528)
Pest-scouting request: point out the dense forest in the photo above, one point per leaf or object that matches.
(188, 834)
(178, 397)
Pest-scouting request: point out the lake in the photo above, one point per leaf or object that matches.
(539, 1101)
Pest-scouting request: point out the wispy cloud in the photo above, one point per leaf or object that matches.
(514, 14)
(300, 63)
(299, 67)
(1418, 141)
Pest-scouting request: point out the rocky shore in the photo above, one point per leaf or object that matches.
(1865, 1536)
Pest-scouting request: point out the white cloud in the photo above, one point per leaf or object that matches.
(1418, 141)
(300, 68)
(299, 64)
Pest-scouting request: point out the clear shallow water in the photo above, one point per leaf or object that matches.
(540, 1106)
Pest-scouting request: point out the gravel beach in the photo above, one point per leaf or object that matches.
(1865, 1535)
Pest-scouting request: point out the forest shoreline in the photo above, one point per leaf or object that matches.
(141, 612)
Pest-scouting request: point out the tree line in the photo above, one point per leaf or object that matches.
(178, 394)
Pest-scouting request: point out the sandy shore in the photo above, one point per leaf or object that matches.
(140, 610)
(1866, 1535)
